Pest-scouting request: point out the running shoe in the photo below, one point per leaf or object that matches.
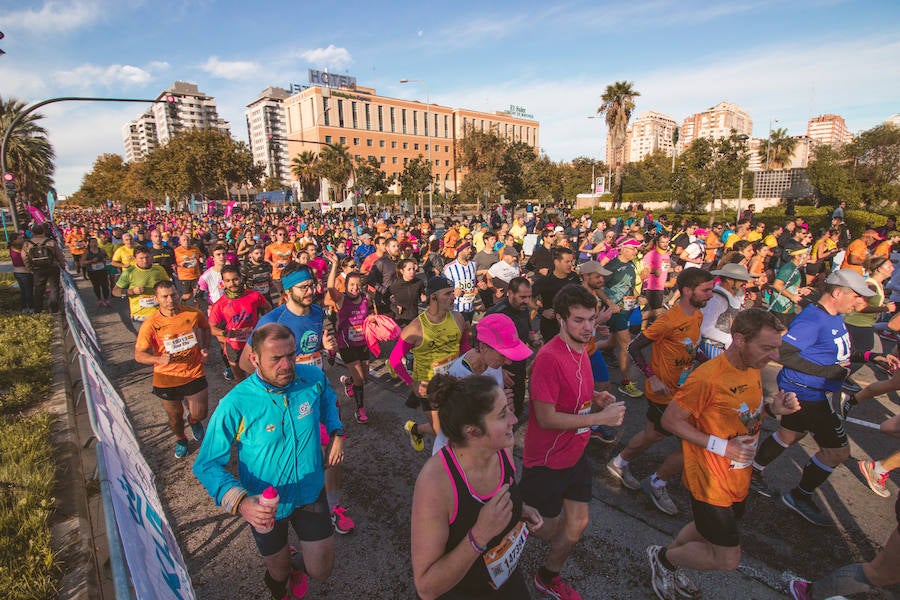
(341, 522)
(799, 589)
(557, 588)
(197, 431)
(602, 434)
(347, 382)
(416, 440)
(228, 374)
(623, 474)
(661, 578)
(806, 508)
(758, 484)
(877, 483)
(685, 587)
(660, 497)
(181, 448)
(361, 416)
(631, 390)
(298, 584)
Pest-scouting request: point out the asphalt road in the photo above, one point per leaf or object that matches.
(380, 471)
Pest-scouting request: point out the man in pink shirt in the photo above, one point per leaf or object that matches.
(657, 262)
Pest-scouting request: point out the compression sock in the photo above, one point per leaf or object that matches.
(278, 589)
(664, 560)
(769, 450)
(846, 581)
(546, 575)
(358, 395)
(814, 474)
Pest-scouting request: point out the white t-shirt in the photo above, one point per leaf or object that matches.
(459, 369)
(211, 283)
(504, 271)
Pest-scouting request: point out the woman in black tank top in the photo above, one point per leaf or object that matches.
(469, 525)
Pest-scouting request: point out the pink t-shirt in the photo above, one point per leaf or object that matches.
(657, 261)
(562, 377)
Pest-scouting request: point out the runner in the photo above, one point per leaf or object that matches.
(657, 262)
(210, 283)
(516, 305)
(284, 453)
(257, 274)
(137, 283)
(673, 339)
(406, 293)
(557, 477)
(717, 414)
(545, 289)
(280, 253)
(436, 337)
(469, 524)
(725, 303)
(352, 309)
(174, 340)
(496, 345)
(189, 265)
(123, 256)
(620, 289)
(162, 254)
(234, 316)
(462, 273)
(94, 261)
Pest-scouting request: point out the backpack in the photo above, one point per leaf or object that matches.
(42, 256)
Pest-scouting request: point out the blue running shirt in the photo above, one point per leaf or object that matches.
(822, 339)
(307, 331)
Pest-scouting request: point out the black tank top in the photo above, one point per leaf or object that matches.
(476, 582)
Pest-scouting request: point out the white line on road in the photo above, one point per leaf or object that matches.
(863, 423)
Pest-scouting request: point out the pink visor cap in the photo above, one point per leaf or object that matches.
(499, 332)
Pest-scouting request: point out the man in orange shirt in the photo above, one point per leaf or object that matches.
(189, 264)
(674, 338)
(174, 340)
(279, 253)
(884, 247)
(717, 414)
(451, 239)
(76, 240)
(859, 250)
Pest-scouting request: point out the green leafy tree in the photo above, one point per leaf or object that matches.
(29, 154)
(415, 178)
(336, 165)
(544, 180)
(271, 183)
(576, 175)
(652, 174)
(828, 172)
(371, 178)
(105, 181)
(617, 107)
(777, 151)
(482, 156)
(876, 166)
(709, 169)
(305, 167)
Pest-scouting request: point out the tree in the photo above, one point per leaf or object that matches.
(336, 166)
(518, 158)
(876, 165)
(305, 167)
(29, 154)
(105, 181)
(709, 169)
(544, 180)
(576, 176)
(371, 178)
(652, 174)
(778, 149)
(273, 183)
(415, 178)
(482, 155)
(617, 106)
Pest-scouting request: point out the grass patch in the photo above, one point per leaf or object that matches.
(27, 470)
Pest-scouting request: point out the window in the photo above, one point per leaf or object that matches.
(403, 119)
(353, 113)
(405, 145)
(415, 146)
(356, 141)
(415, 122)
(446, 126)
(434, 131)
(343, 141)
(381, 160)
(426, 147)
(340, 113)
(368, 117)
(357, 157)
(393, 160)
(368, 141)
(380, 118)
(327, 139)
(393, 128)
(381, 143)
(325, 110)
(370, 157)
(446, 148)
(393, 144)
(405, 160)
(446, 163)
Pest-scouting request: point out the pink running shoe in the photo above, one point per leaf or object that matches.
(341, 522)
(557, 588)
(298, 584)
(347, 381)
(361, 416)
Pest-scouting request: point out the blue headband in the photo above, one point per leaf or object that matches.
(294, 277)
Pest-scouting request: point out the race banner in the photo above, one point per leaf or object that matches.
(73, 302)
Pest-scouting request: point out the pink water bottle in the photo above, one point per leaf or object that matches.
(269, 498)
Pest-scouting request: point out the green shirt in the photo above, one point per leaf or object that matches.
(790, 274)
(143, 305)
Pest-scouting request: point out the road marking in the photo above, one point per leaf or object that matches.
(862, 423)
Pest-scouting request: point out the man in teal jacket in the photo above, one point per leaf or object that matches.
(273, 418)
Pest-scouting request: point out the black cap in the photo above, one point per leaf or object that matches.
(436, 284)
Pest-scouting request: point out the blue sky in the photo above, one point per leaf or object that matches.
(782, 60)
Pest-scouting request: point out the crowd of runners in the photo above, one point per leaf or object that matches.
(493, 320)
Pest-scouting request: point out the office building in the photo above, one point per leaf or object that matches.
(267, 132)
(714, 123)
(828, 130)
(649, 132)
(139, 136)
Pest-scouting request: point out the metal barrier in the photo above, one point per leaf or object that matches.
(144, 556)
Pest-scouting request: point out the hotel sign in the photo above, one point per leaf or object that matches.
(519, 112)
(331, 80)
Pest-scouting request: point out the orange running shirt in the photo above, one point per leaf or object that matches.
(279, 255)
(189, 263)
(675, 336)
(179, 335)
(858, 249)
(725, 402)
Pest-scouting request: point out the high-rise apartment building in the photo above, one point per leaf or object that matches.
(267, 131)
(190, 109)
(714, 123)
(828, 130)
(649, 132)
(394, 131)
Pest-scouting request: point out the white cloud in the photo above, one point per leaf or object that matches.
(234, 70)
(88, 76)
(53, 17)
(332, 57)
(21, 83)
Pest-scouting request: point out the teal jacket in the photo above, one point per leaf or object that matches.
(276, 432)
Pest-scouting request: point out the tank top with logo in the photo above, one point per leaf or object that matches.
(439, 347)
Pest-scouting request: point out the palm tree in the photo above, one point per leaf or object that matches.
(336, 166)
(618, 104)
(29, 155)
(778, 149)
(305, 167)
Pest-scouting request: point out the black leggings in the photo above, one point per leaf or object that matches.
(100, 281)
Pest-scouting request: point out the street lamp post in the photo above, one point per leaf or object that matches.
(428, 135)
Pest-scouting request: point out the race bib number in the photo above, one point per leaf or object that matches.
(240, 335)
(314, 359)
(189, 264)
(441, 367)
(355, 333)
(180, 343)
(147, 302)
(501, 560)
(262, 288)
(584, 410)
(628, 302)
(97, 266)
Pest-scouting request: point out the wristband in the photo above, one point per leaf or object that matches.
(475, 546)
(338, 433)
(716, 445)
(768, 408)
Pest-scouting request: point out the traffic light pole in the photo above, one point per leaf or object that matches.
(30, 109)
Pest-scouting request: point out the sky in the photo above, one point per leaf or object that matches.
(778, 60)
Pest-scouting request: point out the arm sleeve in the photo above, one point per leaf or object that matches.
(396, 360)
(789, 356)
(636, 352)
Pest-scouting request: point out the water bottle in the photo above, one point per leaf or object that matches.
(269, 498)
